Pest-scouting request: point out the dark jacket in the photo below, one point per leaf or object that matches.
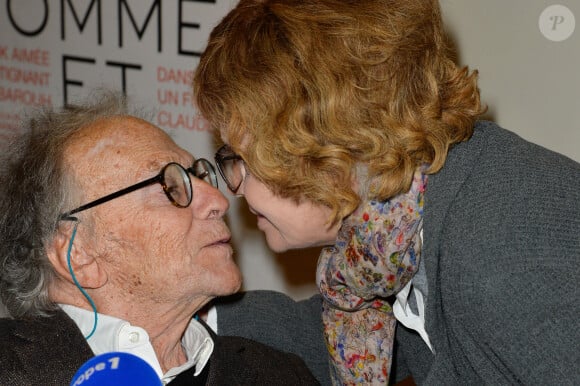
(49, 351)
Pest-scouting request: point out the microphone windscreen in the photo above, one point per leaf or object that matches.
(116, 369)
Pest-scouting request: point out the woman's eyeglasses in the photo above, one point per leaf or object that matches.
(231, 167)
(174, 180)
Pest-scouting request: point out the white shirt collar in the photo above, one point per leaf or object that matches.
(404, 313)
(113, 334)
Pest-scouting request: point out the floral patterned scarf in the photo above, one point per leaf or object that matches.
(376, 254)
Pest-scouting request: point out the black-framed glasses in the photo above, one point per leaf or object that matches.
(174, 180)
(231, 167)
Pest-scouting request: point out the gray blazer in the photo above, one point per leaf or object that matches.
(501, 250)
(49, 351)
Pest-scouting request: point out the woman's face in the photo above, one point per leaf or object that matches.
(286, 224)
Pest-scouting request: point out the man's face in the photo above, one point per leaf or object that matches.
(151, 250)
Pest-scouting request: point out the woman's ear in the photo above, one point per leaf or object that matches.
(86, 268)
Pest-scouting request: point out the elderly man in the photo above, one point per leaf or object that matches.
(112, 239)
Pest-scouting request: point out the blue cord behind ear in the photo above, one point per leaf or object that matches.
(74, 232)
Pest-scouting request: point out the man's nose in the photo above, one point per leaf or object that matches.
(208, 202)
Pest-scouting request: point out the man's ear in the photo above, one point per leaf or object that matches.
(86, 268)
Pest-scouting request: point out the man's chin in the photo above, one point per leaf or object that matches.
(236, 286)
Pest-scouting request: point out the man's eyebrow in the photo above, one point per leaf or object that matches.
(154, 166)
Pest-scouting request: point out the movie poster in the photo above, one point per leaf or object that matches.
(59, 50)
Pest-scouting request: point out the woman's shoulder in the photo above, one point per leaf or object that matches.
(496, 156)
(497, 181)
(495, 144)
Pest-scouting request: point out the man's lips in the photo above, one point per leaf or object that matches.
(223, 240)
(219, 236)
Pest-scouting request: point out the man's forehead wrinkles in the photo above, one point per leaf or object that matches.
(154, 164)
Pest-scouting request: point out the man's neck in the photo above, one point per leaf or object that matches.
(107, 333)
(165, 324)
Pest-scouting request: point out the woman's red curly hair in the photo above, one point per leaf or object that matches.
(306, 90)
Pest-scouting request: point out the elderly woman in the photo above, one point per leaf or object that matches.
(348, 125)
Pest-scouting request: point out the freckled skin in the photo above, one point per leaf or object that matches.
(153, 257)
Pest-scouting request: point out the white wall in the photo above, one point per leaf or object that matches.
(529, 83)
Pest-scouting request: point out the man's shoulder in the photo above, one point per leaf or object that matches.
(35, 327)
(229, 345)
(277, 320)
(251, 362)
(7, 334)
(40, 350)
(21, 329)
